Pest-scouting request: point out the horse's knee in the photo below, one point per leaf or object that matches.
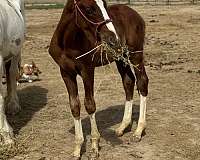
(142, 85)
(90, 105)
(75, 107)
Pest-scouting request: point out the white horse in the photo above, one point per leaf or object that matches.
(12, 30)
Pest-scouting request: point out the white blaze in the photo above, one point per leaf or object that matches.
(106, 17)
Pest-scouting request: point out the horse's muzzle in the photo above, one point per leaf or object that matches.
(111, 39)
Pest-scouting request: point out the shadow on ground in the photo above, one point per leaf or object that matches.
(32, 99)
(105, 120)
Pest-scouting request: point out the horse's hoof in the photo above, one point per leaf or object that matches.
(12, 107)
(93, 155)
(136, 138)
(119, 133)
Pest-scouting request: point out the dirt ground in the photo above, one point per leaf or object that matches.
(44, 128)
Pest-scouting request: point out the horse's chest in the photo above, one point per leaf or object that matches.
(102, 58)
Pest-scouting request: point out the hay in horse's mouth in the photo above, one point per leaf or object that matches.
(120, 54)
(117, 54)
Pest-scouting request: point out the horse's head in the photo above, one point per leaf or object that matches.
(93, 19)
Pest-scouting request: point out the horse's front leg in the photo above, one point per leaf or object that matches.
(6, 132)
(75, 105)
(88, 80)
(128, 80)
(12, 100)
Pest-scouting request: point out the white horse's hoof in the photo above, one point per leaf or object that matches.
(119, 132)
(93, 154)
(136, 138)
(13, 107)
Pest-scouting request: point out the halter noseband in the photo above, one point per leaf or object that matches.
(97, 24)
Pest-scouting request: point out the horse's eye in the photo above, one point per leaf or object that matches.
(89, 10)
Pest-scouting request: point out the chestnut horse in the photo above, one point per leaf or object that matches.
(90, 34)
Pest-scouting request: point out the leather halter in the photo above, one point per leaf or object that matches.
(97, 24)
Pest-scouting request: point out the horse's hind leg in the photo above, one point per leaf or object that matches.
(128, 80)
(6, 132)
(71, 84)
(12, 101)
(88, 80)
(142, 86)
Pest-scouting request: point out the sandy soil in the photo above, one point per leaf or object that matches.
(44, 128)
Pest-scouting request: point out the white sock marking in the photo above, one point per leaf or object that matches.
(142, 117)
(94, 129)
(128, 112)
(78, 131)
(106, 17)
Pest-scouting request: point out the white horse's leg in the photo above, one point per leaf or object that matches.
(12, 98)
(126, 119)
(6, 131)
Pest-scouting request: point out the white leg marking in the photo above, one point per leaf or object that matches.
(126, 119)
(94, 129)
(128, 112)
(106, 17)
(142, 119)
(78, 137)
(95, 135)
